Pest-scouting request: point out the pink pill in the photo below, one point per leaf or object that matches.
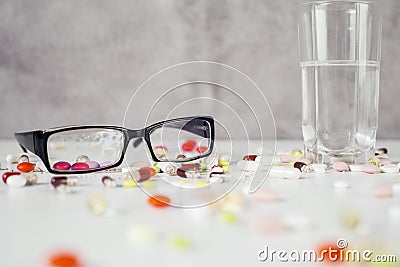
(382, 191)
(269, 225)
(265, 195)
(62, 166)
(286, 158)
(106, 163)
(370, 168)
(92, 164)
(79, 166)
(385, 161)
(340, 166)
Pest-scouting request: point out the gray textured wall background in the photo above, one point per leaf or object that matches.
(71, 62)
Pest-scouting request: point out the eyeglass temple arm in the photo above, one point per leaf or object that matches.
(26, 141)
(186, 127)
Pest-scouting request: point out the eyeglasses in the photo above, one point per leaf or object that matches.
(84, 149)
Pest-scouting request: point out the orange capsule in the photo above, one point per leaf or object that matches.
(329, 253)
(146, 173)
(25, 167)
(64, 259)
(159, 201)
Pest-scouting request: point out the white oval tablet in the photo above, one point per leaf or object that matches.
(355, 167)
(285, 172)
(16, 181)
(390, 168)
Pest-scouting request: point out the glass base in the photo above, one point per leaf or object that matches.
(330, 158)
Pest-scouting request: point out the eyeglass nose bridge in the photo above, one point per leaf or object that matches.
(133, 134)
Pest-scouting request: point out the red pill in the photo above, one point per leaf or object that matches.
(146, 173)
(250, 157)
(159, 201)
(79, 166)
(189, 145)
(25, 167)
(201, 149)
(62, 166)
(8, 174)
(64, 259)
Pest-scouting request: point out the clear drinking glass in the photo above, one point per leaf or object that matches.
(340, 50)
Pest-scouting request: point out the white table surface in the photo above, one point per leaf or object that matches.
(37, 220)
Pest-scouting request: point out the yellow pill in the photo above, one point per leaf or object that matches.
(129, 183)
(184, 181)
(296, 153)
(149, 184)
(179, 242)
(376, 161)
(223, 162)
(350, 219)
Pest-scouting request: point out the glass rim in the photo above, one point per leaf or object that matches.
(327, 2)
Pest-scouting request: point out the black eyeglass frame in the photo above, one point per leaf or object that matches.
(36, 141)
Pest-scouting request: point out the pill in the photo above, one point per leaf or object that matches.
(142, 234)
(355, 167)
(204, 166)
(146, 173)
(228, 217)
(189, 145)
(382, 191)
(319, 168)
(381, 151)
(296, 153)
(16, 181)
(170, 170)
(79, 166)
(217, 169)
(341, 184)
(62, 166)
(286, 158)
(249, 166)
(285, 172)
(192, 166)
(97, 204)
(108, 181)
(156, 168)
(250, 157)
(202, 149)
(370, 168)
(232, 202)
(64, 259)
(376, 161)
(159, 201)
(92, 164)
(340, 166)
(385, 161)
(162, 165)
(181, 156)
(71, 181)
(11, 159)
(390, 168)
(8, 174)
(179, 242)
(129, 183)
(82, 158)
(23, 158)
(224, 159)
(149, 184)
(106, 163)
(25, 167)
(349, 219)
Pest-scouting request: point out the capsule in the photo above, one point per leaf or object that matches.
(70, 181)
(16, 181)
(187, 173)
(92, 164)
(79, 166)
(8, 174)
(285, 172)
(250, 157)
(82, 158)
(189, 145)
(23, 158)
